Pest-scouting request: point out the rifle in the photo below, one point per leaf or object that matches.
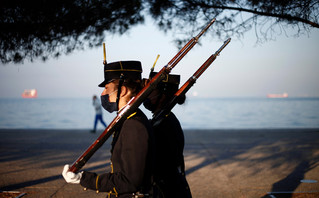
(134, 103)
(158, 117)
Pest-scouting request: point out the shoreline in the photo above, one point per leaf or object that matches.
(248, 163)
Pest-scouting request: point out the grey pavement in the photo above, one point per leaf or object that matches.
(270, 163)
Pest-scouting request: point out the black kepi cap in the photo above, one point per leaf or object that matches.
(169, 84)
(129, 69)
(170, 79)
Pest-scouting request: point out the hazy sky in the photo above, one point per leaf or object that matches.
(242, 70)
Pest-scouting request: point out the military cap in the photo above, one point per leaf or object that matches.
(129, 69)
(170, 79)
(168, 85)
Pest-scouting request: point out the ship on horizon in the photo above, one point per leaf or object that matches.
(283, 95)
(29, 93)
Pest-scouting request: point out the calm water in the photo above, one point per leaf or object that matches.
(229, 113)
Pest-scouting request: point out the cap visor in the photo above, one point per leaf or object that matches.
(102, 84)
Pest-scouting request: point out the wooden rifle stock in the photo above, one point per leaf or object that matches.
(134, 103)
(157, 118)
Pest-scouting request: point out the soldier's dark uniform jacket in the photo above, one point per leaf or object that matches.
(131, 160)
(170, 173)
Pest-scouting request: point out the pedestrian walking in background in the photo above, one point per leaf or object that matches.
(98, 113)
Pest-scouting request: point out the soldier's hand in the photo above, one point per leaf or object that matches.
(70, 177)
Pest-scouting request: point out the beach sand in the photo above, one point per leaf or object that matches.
(267, 163)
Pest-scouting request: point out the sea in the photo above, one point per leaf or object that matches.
(196, 113)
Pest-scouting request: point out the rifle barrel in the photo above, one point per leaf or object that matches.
(188, 47)
(157, 118)
(209, 61)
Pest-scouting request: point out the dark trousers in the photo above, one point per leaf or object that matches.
(98, 118)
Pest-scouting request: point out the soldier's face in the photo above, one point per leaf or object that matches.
(153, 97)
(110, 89)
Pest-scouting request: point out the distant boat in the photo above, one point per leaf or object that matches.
(30, 93)
(283, 95)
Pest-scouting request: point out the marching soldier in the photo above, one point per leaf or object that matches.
(169, 173)
(132, 143)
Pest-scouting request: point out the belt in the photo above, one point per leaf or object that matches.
(138, 195)
(134, 195)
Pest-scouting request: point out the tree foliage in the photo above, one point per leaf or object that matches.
(235, 17)
(47, 28)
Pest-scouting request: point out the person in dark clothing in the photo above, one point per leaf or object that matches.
(132, 152)
(169, 171)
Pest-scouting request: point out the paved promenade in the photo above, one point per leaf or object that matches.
(219, 163)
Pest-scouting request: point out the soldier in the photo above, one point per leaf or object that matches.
(169, 172)
(131, 153)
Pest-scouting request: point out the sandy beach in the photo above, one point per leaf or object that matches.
(267, 163)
